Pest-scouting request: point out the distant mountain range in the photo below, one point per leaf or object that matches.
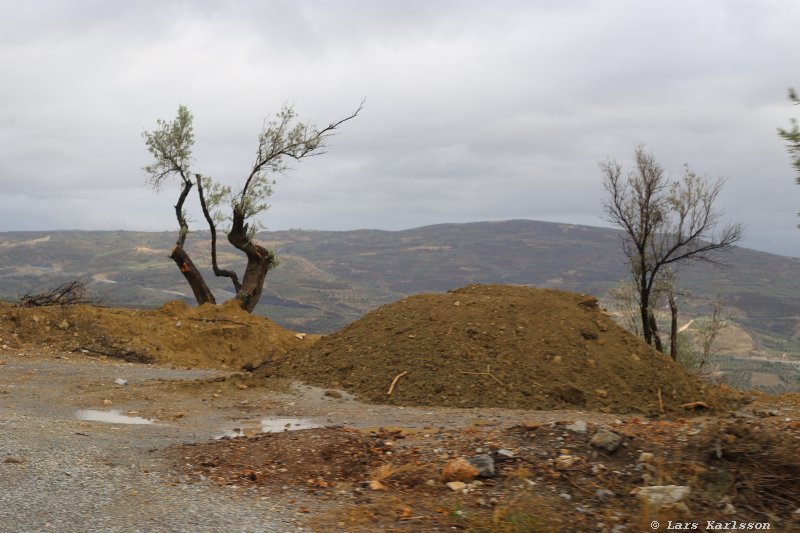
(327, 279)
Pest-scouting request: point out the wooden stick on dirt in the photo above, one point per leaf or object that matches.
(660, 401)
(487, 373)
(394, 382)
(219, 320)
(127, 355)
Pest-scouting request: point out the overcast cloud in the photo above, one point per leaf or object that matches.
(474, 110)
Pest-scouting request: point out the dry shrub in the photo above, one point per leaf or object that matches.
(759, 464)
(70, 293)
(521, 512)
(379, 477)
(407, 475)
(520, 472)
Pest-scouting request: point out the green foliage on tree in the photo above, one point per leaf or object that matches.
(170, 144)
(792, 136)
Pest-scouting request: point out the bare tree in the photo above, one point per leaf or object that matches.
(281, 140)
(697, 349)
(709, 331)
(666, 223)
(623, 301)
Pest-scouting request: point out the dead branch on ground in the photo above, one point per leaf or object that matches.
(394, 382)
(126, 355)
(70, 293)
(219, 320)
(487, 373)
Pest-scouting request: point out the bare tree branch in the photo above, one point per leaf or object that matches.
(278, 140)
(212, 226)
(180, 214)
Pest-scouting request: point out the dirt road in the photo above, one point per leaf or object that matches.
(64, 474)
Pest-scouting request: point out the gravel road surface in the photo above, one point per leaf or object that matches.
(62, 474)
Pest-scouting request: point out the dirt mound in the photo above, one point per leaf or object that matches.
(213, 336)
(502, 346)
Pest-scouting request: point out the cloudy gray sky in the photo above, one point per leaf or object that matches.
(474, 110)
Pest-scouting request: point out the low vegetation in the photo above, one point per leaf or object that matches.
(70, 293)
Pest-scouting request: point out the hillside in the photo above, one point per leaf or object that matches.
(328, 279)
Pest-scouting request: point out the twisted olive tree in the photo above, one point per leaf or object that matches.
(282, 139)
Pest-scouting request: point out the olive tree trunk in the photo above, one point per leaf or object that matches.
(259, 262)
(673, 332)
(192, 275)
(190, 272)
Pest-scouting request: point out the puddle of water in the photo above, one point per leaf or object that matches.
(110, 417)
(249, 428)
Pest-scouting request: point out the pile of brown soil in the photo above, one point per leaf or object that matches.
(503, 346)
(212, 336)
(318, 457)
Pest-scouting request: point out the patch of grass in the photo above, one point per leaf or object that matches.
(525, 512)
